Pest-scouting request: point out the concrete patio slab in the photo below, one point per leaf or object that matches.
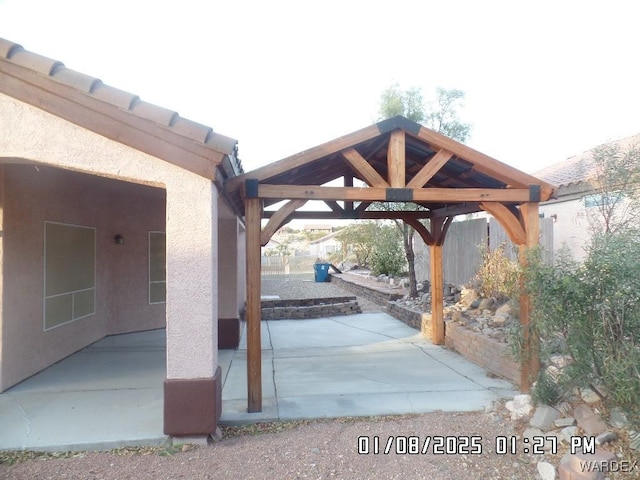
(110, 394)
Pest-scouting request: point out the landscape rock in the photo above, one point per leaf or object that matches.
(589, 396)
(485, 304)
(504, 310)
(532, 432)
(568, 432)
(564, 422)
(520, 407)
(606, 437)
(617, 418)
(546, 471)
(543, 418)
(589, 421)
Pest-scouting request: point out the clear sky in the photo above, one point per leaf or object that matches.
(544, 80)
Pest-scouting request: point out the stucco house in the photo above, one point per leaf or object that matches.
(99, 192)
(575, 197)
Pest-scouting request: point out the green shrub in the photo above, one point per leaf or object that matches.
(591, 312)
(388, 254)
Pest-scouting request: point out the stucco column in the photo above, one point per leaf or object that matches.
(228, 313)
(192, 390)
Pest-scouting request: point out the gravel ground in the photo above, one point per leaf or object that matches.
(315, 450)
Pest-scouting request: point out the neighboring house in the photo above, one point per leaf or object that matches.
(318, 228)
(575, 196)
(325, 246)
(113, 220)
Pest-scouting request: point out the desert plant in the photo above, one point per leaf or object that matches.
(498, 275)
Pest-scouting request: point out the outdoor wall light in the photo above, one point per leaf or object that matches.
(119, 239)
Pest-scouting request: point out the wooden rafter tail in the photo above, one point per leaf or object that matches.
(396, 159)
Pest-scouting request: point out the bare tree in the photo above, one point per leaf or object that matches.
(615, 205)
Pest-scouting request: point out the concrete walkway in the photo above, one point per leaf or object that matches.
(110, 394)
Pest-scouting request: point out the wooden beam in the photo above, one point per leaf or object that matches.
(253, 209)
(530, 355)
(508, 221)
(430, 169)
(278, 219)
(352, 215)
(378, 194)
(396, 159)
(364, 168)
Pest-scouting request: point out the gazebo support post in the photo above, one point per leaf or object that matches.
(530, 354)
(437, 300)
(253, 213)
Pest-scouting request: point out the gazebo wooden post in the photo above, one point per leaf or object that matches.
(437, 300)
(437, 282)
(253, 214)
(530, 355)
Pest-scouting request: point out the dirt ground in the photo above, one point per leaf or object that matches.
(459, 445)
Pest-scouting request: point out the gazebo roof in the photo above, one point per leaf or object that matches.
(431, 160)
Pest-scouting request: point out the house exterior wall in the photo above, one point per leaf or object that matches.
(34, 195)
(29, 133)
(570, 227)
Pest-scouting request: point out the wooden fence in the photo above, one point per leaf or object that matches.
(462, 248)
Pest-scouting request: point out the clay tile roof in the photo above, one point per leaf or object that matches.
(115, 96)
(580, 168)
(159, 115)
(98, 91)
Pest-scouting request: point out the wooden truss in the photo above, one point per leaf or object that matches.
(397, 161)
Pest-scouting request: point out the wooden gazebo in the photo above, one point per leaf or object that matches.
(399, 161)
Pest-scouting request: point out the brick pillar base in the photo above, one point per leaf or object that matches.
(192, 406)
(228, 332)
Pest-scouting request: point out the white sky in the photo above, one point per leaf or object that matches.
(544, 80)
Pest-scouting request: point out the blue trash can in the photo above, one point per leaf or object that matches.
(321, 271)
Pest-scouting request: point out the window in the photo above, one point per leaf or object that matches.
(69, 273)
(157, 267)
(601, 199)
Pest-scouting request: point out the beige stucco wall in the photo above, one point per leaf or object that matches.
(191, 222)
(570, 228)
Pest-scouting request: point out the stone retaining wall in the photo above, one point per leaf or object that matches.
(418, 320)
(483, 350)
(380, 294)
(309, 308)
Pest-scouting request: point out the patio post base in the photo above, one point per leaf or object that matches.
(192, 406)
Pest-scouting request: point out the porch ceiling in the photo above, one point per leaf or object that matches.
(430, 161)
